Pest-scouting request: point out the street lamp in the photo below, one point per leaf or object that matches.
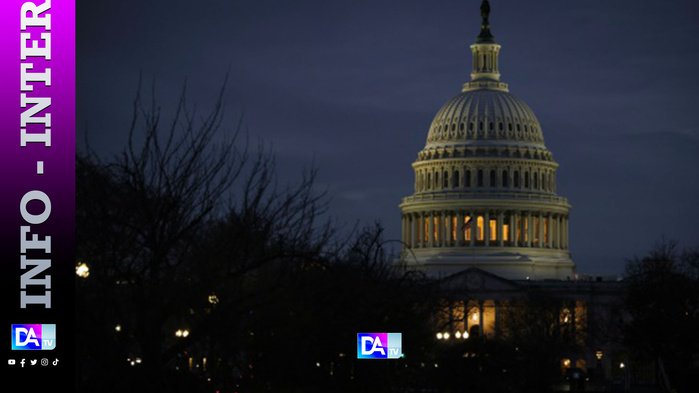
(82, 271)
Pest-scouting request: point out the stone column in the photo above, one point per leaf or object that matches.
(421, 229)
(541, 230)
(549, 231)
(474, 227)
(501, 218)
(496, 327)
(430, 230)
(450, 229)
(439, 241)
(459, 228)
(513, 229)
(530, 229)
(558, 232)
(416, 224)
(480, 318)
(486, 227)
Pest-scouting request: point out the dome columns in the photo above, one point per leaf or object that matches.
(485, 227)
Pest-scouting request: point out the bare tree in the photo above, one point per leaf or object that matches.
(173, 229)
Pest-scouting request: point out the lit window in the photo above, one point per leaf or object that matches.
(453, 228)
(480, 223)
(493, 230)
(435, 228)
(426, 231)
(506, 232)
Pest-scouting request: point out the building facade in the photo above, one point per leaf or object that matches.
(486, 220)
(485, 184)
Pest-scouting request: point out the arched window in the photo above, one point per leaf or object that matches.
(456, 179)
(446, 179)
(492, 178)
(480, 178)
(436, 180)
(516, 180)
(461, 127)
(500, 126)
(536, 181)
(526, 179)
(505, 180)
(429, 181)
(467, 182)
(490, 126)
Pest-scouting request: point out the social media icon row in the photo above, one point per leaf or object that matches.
(32, 362)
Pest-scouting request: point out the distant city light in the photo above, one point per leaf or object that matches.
(439, 336)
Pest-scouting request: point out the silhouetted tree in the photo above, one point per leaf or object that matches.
(662, 303)
(173, 230)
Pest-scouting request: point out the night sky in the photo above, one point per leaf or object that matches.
(352, 86)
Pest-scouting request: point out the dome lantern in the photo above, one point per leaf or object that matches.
(485, 73)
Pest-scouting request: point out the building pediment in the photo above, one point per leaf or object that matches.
(474, 279)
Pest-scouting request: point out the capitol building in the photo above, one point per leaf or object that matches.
(485, 185)
(486, 221)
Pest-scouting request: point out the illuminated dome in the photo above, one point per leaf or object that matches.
(485, 184)
(485, 117)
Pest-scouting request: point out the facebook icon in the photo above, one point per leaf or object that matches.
(379, 346)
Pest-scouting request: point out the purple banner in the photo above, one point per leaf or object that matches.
(37, 203)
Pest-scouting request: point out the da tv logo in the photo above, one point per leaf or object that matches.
(379, 346)
(33, 337)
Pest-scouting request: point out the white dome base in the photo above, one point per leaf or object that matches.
(510, 263)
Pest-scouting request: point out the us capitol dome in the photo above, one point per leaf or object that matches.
(485, 185)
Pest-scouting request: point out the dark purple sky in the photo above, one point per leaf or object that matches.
(353, 86)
